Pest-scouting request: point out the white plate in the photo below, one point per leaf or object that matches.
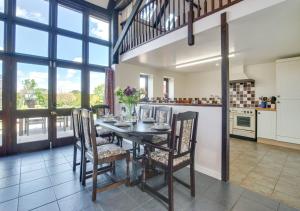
(109, 120)
(161, 127)
(149, 120)
(122, 124)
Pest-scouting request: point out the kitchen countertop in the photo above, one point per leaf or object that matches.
(183, 104)
(265, 109)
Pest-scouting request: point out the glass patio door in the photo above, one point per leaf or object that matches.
(33, 127)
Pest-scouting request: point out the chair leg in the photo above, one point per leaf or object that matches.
(94, 194)
(81, 161)
(127, 168)
(143, 173)
(113, 167)
(170, 191)
(83, 170)
(192, 179)
(74, 158)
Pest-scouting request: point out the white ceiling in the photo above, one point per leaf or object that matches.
(100, 3)
(261, 37)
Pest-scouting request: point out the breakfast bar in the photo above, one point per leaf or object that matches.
(209, 136)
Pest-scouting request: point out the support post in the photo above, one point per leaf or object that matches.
(225, 96)
(191, 38)
(115, 33)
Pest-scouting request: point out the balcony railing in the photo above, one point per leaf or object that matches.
(159, 17)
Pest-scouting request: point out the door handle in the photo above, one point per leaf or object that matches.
(53, 113)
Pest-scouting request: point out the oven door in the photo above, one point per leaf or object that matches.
(244, 122)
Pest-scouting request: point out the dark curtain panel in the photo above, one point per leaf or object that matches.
(109, 88)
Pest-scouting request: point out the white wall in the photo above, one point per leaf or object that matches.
(206, 83)
(128, 74)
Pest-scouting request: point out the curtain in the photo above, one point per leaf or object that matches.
(109, 88)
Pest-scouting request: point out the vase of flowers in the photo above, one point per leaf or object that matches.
(129, 97)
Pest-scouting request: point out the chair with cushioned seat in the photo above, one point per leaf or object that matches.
(100, 111)
(104, 156)
(179, 153)
(162, 114)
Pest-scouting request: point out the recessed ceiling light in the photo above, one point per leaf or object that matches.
(202, 61)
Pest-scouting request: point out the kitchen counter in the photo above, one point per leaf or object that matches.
(265, 109)
(182, 104)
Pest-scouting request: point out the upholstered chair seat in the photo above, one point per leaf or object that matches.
(163, 157)
(107, 151)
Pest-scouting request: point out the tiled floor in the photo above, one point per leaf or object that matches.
(269, 170)
(45, 181)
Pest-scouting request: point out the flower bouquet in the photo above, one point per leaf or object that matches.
(130, 97)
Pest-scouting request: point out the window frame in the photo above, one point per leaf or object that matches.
(146, 77)
(167, 80)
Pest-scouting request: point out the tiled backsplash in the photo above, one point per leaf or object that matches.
(242, 94)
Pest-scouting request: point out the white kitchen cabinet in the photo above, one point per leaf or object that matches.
(288, 116)
(266, 124)
(288, 100)
(287, 78)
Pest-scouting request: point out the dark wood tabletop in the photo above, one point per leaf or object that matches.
(138, 129)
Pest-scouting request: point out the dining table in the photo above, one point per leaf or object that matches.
(139, 132)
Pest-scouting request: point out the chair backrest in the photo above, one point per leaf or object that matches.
(100, 110)
(75, 114)
(185, 142)
(88, 131)
(145, 111)
(163, 114)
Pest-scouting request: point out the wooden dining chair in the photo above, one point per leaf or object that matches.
(162, 114)
(101, 155)
(100, 111)
(75, 115)
(179, 153)
(145, 111)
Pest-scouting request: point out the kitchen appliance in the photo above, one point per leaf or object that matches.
(243, 123)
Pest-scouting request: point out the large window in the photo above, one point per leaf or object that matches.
(98, 28)
(2, 6)
(35, 10)
(1, 35)
(97, 86)
(31, 41)
(69, 49)
(68, 88)
(98, 54)
(69, 19)
(32, 86)
(1, 82)
(144, 82)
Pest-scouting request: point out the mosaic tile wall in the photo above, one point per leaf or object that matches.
(242, 94)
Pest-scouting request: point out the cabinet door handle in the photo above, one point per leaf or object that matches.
(278, 102)
(258, 112)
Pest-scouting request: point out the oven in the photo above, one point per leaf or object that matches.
(244, 123)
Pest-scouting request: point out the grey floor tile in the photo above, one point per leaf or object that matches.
(11, 205)
(136, 194)
(283, 207)
(153, 204)
(224, 193)
(9, 181)
(76, 202)
(63, 177)
(67, 188)
(48, 207)
(59, 168)
(33, 175)
(204, 204)
(248, 205)
(268, 202)
(9, 172)
(32, 167)
(35, 185)
(9, 193)
(36, 199)
(125, 202)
